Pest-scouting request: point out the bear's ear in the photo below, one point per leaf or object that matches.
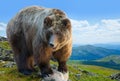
(66, 22)
(48, 21)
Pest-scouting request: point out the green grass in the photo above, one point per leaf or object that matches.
(5, 45)
(11, 74)
(101, 72)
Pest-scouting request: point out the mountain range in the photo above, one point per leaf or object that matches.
(92, 52)
(109, 46)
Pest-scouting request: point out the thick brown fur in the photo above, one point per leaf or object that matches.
(29, 33)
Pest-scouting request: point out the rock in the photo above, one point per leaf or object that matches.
(8, 52)
(1, 49)
(80, 70)
(6, 55)
(88, 73)
(78, 76)
(115, 76)
(3, 62)
(9, 64)
(76, 67)
(54, 66)
(57, 76)
(6, 58)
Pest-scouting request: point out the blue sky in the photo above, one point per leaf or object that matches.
(94, 21)
(76, 9)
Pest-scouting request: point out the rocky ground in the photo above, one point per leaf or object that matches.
(6, 54)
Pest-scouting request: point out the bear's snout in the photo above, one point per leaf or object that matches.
(51, 45)
(52, 41)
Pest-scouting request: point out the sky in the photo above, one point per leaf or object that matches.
(93, 21)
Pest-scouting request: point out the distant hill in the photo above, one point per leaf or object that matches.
(3, 39)
(111, 58)
(109, 46)
(90, 52)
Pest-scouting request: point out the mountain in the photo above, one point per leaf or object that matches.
(111, 58)
(90, 52)
(109, 46)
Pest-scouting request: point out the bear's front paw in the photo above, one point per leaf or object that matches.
(26, 71)
(56, 76)
(44, 75)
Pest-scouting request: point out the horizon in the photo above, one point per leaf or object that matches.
(93, 22)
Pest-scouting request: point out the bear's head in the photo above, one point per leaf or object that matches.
(58, 30)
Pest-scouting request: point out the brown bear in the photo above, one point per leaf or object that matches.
(36, 35)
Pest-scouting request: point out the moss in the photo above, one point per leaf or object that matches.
(5, 45)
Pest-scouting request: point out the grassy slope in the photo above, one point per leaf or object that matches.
(11, 74)
(115, 58)
(5, 45)
(102, 73)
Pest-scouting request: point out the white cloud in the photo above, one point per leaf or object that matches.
(104, 31)
(111, 24)
(2, 29)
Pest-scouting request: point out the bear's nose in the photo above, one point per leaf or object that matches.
(52, 45)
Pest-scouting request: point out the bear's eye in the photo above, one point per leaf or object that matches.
(48, 22)
(65, 22)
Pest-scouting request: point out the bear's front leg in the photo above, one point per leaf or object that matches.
(45, 69)
(62, 66)
(42, 59)
(62, 56)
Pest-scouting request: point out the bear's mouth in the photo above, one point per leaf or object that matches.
(54, 48)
